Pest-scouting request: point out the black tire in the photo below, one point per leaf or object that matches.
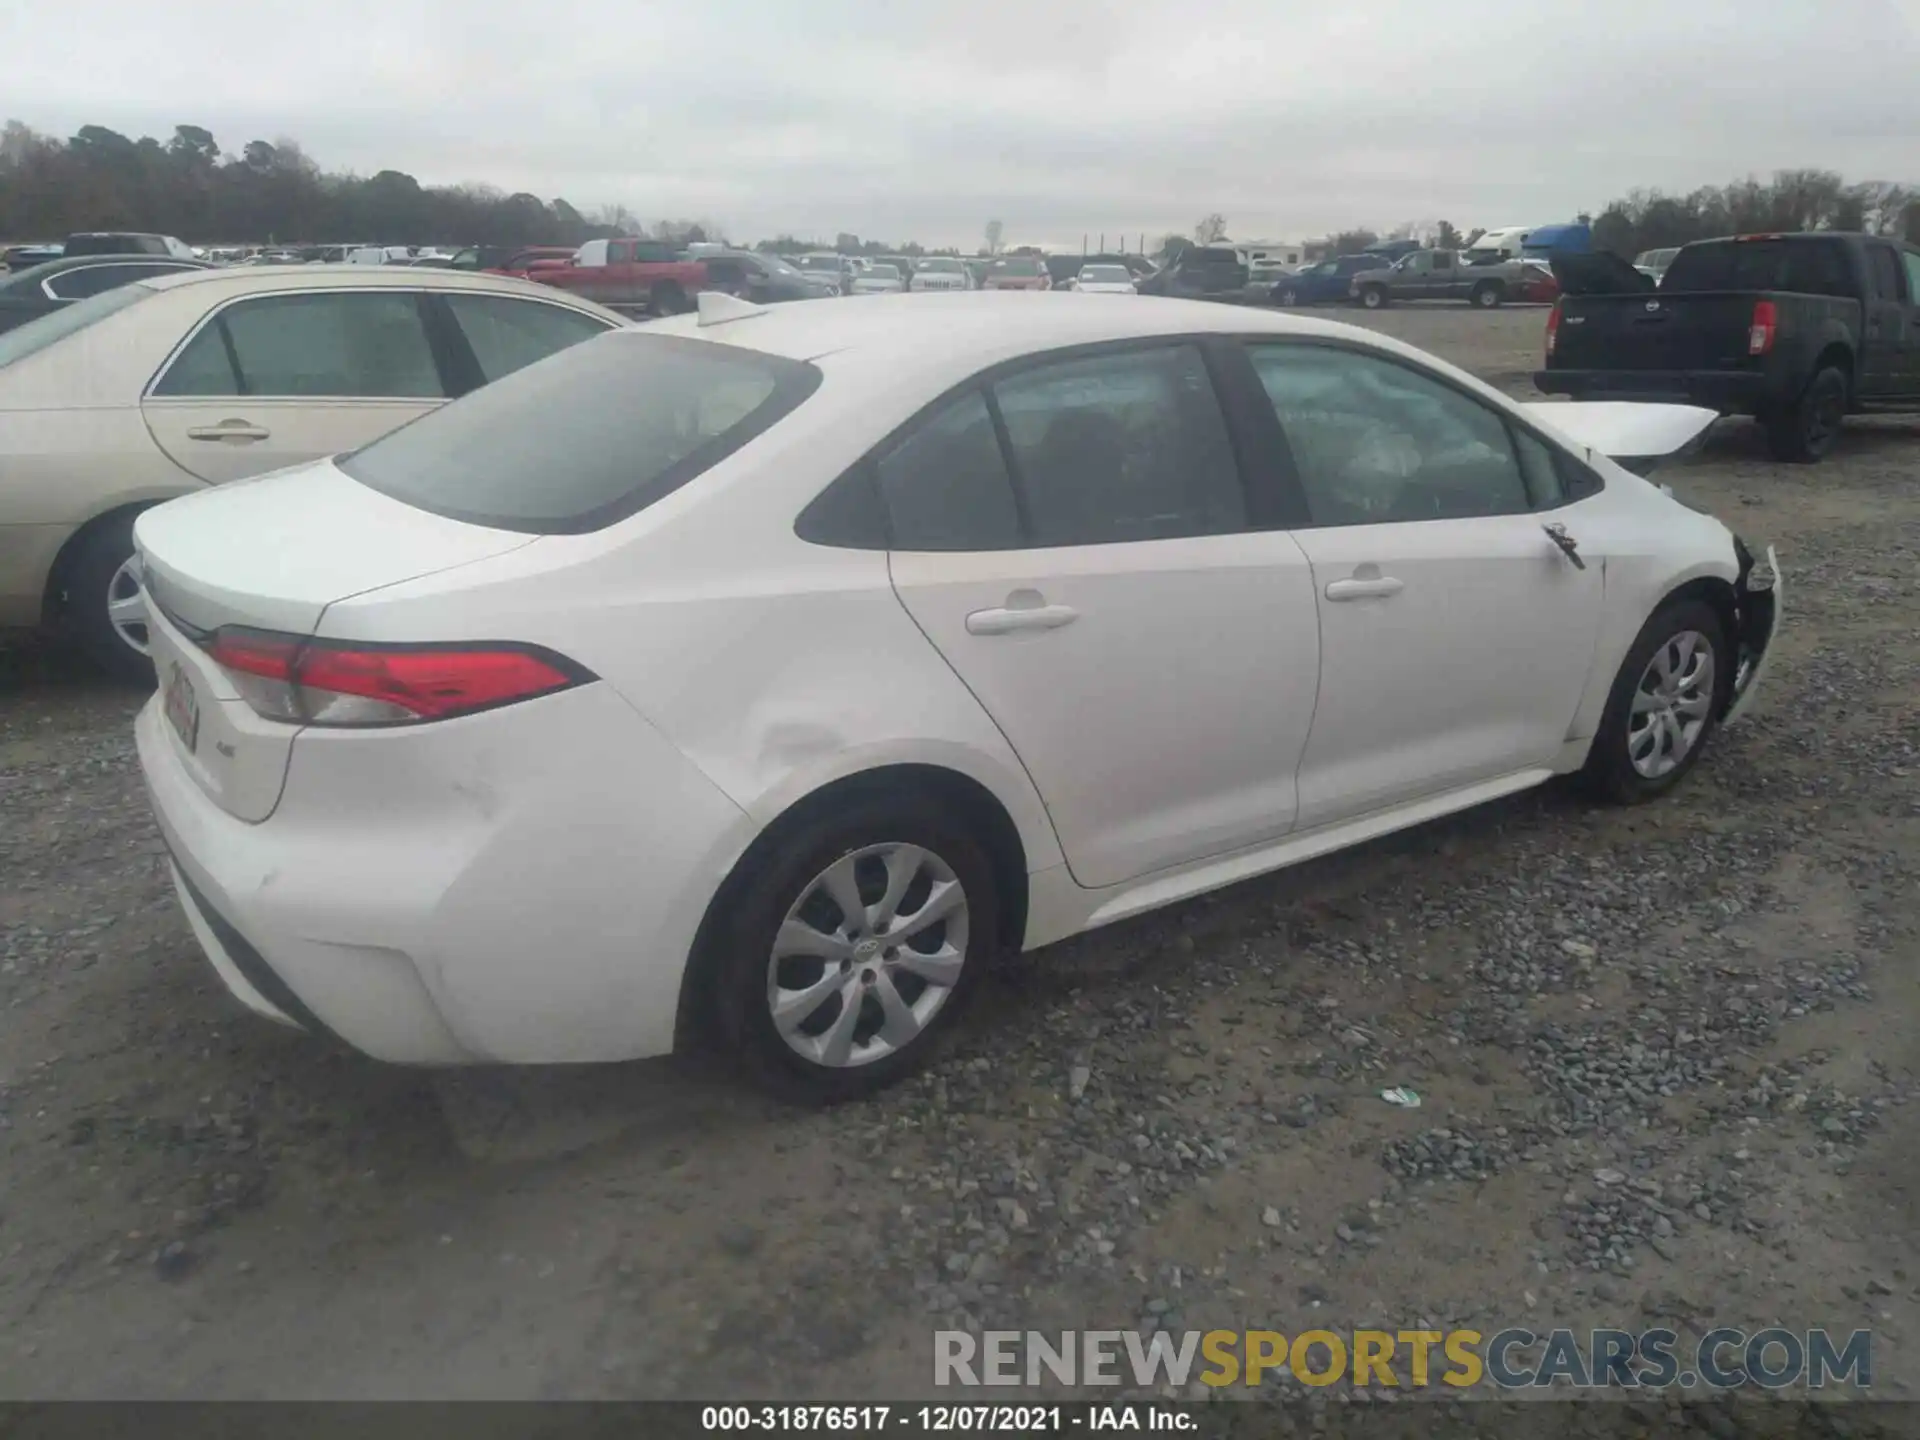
(1609, 773)
(780, 878)
(86, 578)
(1808, 429)
(667, 298)
(1488, 296)
(1373, 297)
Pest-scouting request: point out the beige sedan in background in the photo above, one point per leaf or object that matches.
(164, 387)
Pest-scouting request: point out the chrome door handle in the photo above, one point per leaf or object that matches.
(229, 430)
(1007, 620)
(1363, 589)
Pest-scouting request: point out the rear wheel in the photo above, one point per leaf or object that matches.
(852, 947)
(667, 298)
(1808, 429)
(106, 606)
(1663, 707)
(1487, 296)
(1373, 296)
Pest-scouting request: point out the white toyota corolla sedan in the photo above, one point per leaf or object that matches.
(781, 666)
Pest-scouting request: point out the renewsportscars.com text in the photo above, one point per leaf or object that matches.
(1724, 1359)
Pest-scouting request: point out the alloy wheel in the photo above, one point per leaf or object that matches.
(1671, 704)
(868, 955)
(127, 607)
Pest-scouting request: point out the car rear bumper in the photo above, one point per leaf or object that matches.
(1728, 391)
(522, 886)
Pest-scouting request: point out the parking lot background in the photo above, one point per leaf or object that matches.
(1667, 1059)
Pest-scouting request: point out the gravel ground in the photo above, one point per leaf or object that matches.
(1667, 1059)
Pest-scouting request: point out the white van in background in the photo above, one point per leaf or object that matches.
(1496, 245)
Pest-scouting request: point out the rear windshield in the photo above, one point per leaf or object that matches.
(1809, 267)
(586, 437)
(36, 335)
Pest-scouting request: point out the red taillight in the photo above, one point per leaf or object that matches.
(321, 682)
(1766, 321)
(1553, 327)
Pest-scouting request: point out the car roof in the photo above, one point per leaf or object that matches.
(324, 277)
(969, 330)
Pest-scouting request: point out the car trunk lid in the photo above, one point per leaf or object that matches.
(271, 554)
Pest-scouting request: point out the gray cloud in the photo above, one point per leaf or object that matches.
(1056, 116)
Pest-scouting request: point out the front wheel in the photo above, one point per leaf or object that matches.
(1808, 429)
(1487, 297)
(1289, 297)
(1663, 707)
(1373, 297)
(106, 604)
(849, 949)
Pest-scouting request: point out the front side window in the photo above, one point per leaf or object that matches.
(1911, 260)
(352, 345)
(506, 334)
(1376, 442)
(1124, 446)
(596, 434)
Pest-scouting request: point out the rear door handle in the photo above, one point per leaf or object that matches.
(237, 430)
(1363, 589)
(1008, 620)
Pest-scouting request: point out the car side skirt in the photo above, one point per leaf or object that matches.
(1057, 908)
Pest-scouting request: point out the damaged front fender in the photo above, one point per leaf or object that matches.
(1757, 605)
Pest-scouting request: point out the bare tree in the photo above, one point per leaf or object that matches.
(994, 231)
(1211, 228)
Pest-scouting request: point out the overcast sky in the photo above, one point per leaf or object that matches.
(923, 119)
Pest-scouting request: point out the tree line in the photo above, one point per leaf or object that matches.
(272, 192)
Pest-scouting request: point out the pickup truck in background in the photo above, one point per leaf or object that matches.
(1796, 330)
(631, 276)
(1439, 275)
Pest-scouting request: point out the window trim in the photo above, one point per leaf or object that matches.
(423, 296)
(462, 367)
(1266, 508)
(1591, 481)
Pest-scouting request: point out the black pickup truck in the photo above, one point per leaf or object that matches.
(1795, 330)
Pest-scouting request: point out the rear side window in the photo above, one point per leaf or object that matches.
(506, 335)
(1120, 447)
(1911, 260)
(1807, 267)
(586, 437)
(946, 485)
(333, 344)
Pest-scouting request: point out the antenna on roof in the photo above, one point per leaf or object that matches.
(717, 307)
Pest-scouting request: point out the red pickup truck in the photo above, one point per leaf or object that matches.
(627, 275)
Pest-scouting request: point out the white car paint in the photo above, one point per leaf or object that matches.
(1104, 280)
(939, 273)
(1624, 429)
(878, 280)
(1209, 714)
